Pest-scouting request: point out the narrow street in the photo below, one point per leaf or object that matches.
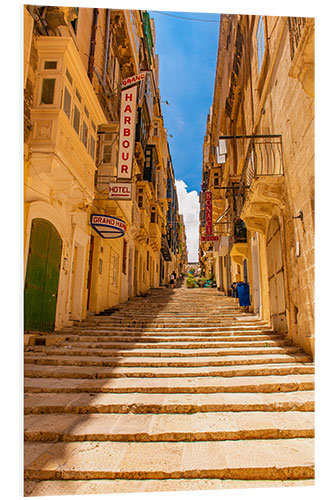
(162, 147)
(156, 396)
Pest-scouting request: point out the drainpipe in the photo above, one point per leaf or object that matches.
(107, 41)
(92, 45)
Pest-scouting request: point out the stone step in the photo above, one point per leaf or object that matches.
(163, 333)
(259, 384)
(89, 365)
(186, 362)
(255, 459)
(156, 319)
(151, 318)
(155, 392)
(96, 337)
(87, 403)
(193, 314)
(111, 344)
(109, 486)
(142, 352)
(152, 427)
(186, 328)
(169, 325)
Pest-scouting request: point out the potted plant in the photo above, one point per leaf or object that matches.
(191, 281)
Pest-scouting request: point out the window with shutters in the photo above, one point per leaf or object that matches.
(78, 114)
(109, 148)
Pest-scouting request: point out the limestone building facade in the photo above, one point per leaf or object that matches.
(76, 61)
(258, 163)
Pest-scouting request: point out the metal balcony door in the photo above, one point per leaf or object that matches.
(276, 277)
(42, 277)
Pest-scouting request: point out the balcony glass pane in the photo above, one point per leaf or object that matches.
(67, 103)
(50, 65)
(76, 120)
(92, 147)
(48, 91)
(85, 134)
(107, 150)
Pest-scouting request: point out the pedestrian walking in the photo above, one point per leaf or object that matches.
(173, 279)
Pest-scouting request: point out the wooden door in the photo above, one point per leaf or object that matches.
(42, 277)
(276, 277)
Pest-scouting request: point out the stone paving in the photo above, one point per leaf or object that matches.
(177, 390)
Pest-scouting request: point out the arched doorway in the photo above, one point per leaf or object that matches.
(42, 277)
(276, 277)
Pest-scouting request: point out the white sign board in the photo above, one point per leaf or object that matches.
(120, 191)
(133, 79)
(127, 132)
(107, 226)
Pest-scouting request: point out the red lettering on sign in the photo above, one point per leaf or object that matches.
(126, 144)
(124, 169)
(209, 214)
(127, 132)
(133, 79)
(128, 97)
(124, 156)
(127, 120)
(128, 109)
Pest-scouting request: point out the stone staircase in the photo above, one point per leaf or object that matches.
(178, 390)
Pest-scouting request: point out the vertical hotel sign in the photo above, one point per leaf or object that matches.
(127, 132)
(209, 213)
(127, 126)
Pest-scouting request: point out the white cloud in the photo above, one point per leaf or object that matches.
(189, 207)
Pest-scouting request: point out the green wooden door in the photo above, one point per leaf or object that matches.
(42, 277)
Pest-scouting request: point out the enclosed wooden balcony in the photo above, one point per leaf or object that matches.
(65, 116)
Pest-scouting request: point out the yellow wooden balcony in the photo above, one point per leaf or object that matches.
(155, 236)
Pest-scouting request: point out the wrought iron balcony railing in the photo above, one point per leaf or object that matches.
(263, 159)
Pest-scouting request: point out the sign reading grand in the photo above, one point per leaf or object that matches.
(107, 226)
(133, 79)
(120, 191)
(127, 132)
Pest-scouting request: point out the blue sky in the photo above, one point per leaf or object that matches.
(187, 50)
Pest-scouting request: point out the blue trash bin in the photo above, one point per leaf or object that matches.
(243, 292)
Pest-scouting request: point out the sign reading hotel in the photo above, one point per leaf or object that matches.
(209, 213)
(127, 132)
(107, 226)
(120, 191)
